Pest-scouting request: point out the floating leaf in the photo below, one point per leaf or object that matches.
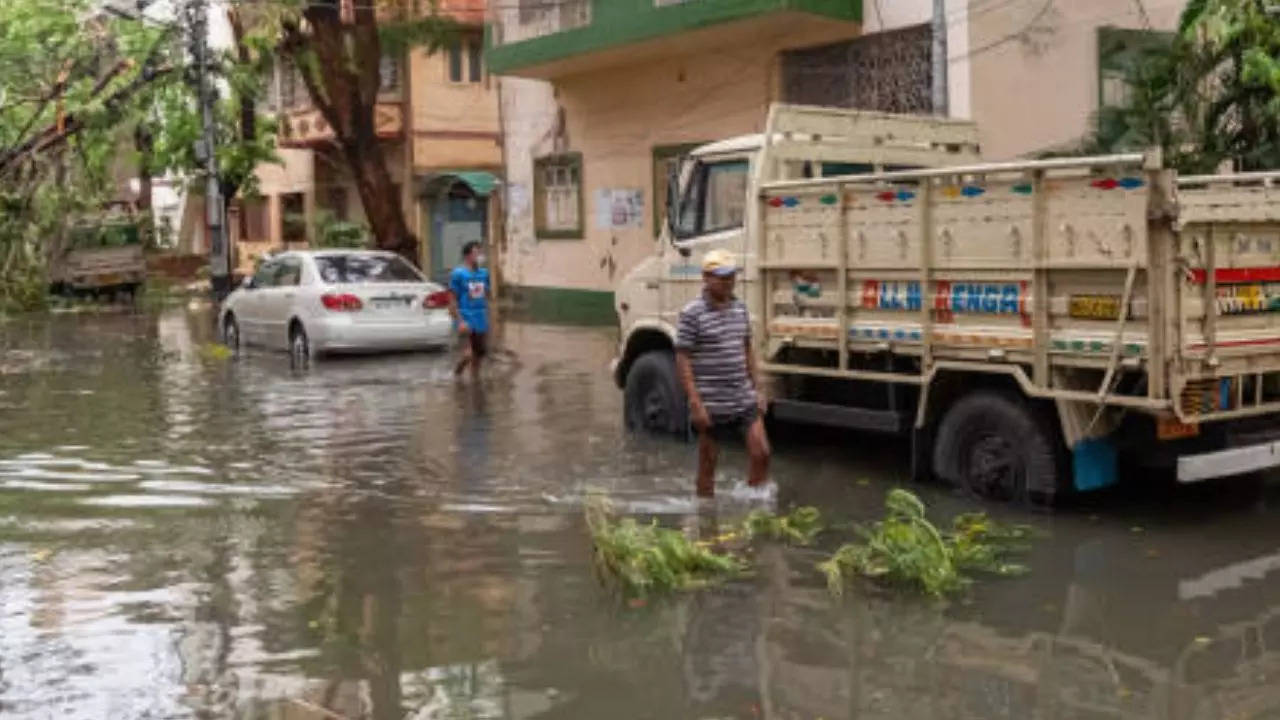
(906, 549)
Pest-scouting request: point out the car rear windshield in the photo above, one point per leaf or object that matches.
(365, 269)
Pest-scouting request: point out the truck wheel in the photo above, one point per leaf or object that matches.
(653, 400)
(996, 446)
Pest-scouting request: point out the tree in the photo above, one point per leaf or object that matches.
(244, 137)
(338, 46)
(1211, 96)
(67, 77)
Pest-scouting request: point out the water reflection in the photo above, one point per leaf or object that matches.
(181, 537)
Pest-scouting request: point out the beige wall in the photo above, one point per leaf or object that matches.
(1035, 76)
(454, 125)
(615, 117)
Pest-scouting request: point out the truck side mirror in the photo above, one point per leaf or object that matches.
(673, 198)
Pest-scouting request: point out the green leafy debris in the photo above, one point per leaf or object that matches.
(216, 352)
(905, 549)
(641, 559)
(800, 527)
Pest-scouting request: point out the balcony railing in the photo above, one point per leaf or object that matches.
(307, 128)
(516, 24)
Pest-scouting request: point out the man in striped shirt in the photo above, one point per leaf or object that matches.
(718, 372)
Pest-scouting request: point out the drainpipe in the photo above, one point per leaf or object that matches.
(939, 57)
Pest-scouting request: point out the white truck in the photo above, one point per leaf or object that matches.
(1030, 325)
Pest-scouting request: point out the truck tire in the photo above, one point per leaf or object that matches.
(996, 446)
(653, 401)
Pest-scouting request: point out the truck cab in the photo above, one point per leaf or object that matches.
(711, 204)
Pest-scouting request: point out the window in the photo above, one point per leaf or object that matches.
(388, 74)
(289, 273)
(355, 268)
(715, 199)
(1120, 53)
(292, 89)
(726, 201)
(475, 63)
(557, 187)
(257, 221)
(265, 276)
(466, 60)
(293, 219)
(665, 159)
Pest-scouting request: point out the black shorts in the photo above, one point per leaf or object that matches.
(479, 343)
(733, 427)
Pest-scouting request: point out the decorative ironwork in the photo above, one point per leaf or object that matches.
(888, 72)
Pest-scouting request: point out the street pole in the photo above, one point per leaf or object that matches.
(206, 153)
(939, 57)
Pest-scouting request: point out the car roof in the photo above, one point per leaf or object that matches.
(335, 252)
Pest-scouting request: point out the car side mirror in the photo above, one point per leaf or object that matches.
(247, 284)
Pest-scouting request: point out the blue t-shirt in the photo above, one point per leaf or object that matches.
(471, 288)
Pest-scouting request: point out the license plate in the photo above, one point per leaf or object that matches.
(1168, 428)
(109, 279)
(1095, 307)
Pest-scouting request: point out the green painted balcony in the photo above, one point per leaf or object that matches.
(549, 39)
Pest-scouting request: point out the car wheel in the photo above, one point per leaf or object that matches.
(995, 446)
(299, 346)
(231, 333)
(653, 401)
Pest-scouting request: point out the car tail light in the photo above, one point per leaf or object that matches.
(341, 303)
(436, 300)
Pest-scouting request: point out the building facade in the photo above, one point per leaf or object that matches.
(437, 119)
(598, 97)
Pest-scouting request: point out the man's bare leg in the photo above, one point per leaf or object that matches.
(466, 357)
(708, 454)
(758, 452)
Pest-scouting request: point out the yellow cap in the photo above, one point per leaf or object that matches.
(719, 262)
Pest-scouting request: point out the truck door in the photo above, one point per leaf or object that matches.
(712, 215)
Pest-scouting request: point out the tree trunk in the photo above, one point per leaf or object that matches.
(340, 67)
(144, 144)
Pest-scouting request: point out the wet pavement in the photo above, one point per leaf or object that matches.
(182, 536)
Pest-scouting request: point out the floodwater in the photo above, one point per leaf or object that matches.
(182, 536)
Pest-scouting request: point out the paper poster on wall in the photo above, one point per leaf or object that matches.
(619, 208)
(517, 199)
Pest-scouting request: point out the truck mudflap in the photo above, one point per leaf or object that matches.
(1225, 463)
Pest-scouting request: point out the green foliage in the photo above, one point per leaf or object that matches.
(334, 233)
(215, 352)
(800, 527)
(905, 549)
(1208, 97)
(638, 560)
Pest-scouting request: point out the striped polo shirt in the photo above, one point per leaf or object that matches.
(716, 340)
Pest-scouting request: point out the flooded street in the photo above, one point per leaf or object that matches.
(182, 536)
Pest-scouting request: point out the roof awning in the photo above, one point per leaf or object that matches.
(481, 183)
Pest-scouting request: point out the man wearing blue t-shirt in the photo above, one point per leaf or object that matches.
(469, 294)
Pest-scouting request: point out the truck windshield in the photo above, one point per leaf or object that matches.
(715, 198)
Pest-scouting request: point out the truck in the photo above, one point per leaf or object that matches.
(1034, 327)
(101, 255)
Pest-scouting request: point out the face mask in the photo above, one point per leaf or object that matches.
(481, 259)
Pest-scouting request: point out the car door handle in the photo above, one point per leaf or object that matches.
(288, 296)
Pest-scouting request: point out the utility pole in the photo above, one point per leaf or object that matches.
(206, 153)
(939, 57)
